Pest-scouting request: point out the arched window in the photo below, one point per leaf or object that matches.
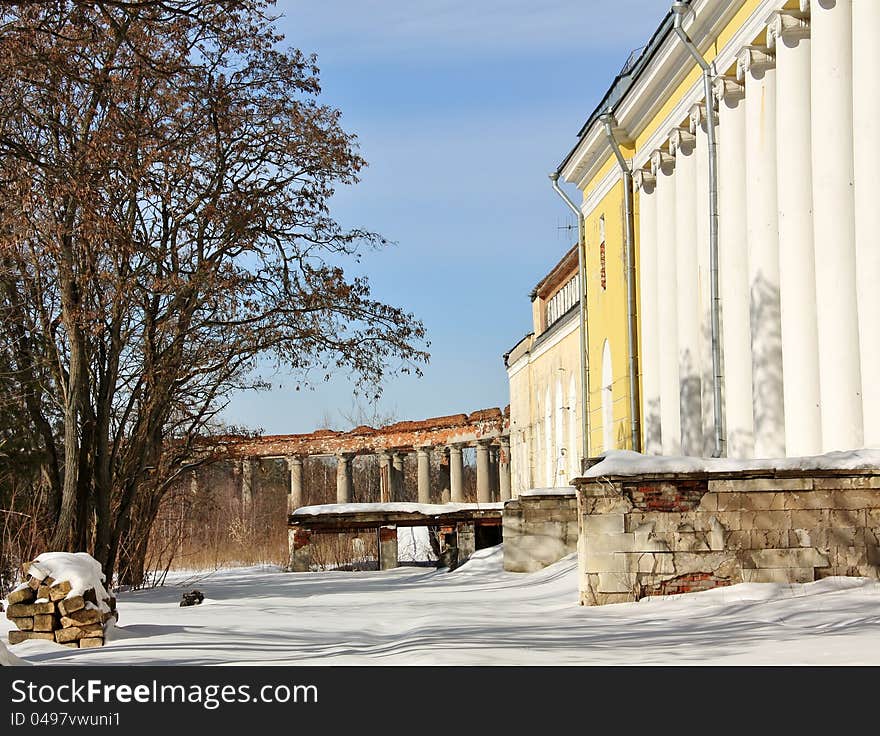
(607, 398)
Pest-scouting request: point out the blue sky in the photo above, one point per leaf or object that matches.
(461, 110)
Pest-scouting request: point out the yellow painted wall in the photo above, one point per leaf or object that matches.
(606, 314)
(528, 407)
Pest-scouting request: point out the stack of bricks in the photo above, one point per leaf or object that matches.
(43, 608)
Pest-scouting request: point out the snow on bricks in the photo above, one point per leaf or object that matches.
(62, 599)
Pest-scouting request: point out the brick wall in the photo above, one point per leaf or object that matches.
(538, 531)
(682, 533)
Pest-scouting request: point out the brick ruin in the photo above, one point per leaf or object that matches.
(671, 533)
(486, 430)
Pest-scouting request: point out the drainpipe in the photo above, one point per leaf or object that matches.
(608, 121)
(679, 10)
(582, 320)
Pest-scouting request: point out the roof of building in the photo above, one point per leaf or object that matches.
(636, 63)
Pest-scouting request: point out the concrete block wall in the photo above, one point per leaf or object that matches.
(682, 533)
(539, 530)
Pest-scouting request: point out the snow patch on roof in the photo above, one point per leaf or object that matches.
(556, 491)
(397, 507)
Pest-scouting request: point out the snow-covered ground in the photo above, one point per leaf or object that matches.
(478, 615)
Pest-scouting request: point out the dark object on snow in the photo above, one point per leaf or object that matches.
(193, 598)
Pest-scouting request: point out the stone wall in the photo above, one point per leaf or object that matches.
(539, 530)
(682, 533)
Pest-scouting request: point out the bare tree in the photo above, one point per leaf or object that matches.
(165, 170)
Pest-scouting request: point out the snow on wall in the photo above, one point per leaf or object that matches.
(627, 462)
(428, 509)
(79, 569)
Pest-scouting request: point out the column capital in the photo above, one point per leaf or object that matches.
(484, 441)
(424, 450)
(755, 60)
(681, 139)
(697, 114)
(644, 178)
(662, 161)
(455, 446)
(729, 89)
(294, 461)
(788, 25)
(504, 440)
(345, 455)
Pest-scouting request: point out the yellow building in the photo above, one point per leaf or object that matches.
(743, 137)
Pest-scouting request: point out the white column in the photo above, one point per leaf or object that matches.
(866, 144)
(663, 167)
(456, 474)
(649, 361)
(755, 66)
(788, 34)
(423, 458)
(733, 269)
(484, 493)
(295, 467)
(343, 477)
(704, 296)
(682, 146)
(833, 223)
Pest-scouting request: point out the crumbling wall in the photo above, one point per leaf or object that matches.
(539, 530)
(684, 533)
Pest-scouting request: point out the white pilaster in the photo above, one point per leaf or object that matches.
(733, 268)
(756, 68)
(663, 167)
(788, 34)
(866, 144)
(701, 210)
(646, 184)
(682, 144)
(833, 223)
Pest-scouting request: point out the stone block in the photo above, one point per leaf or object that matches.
(19, 610)
(809, 518)
(21, 595)
(67, 606)
(44, 622)
(24, 623)
(731, 520)
(846, 517)
(764, 501)
(613, 582)
(603, 524)
(856, 499)
(765, 520)
(832, 483)
(17, 637)
(91, 642)
(736, 539)
(768, 538)
(802, 538)
(75, 633)
(810, 500)
(82, 616)
(729, 501)
(779, 575)
(59, 590)
(709, 502)
(722, 486)
(599, 563)
(839, 536)
(796, 557)
(872, 551)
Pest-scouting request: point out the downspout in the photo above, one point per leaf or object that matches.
(608, 121)
(679, 10)
(582, 320)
